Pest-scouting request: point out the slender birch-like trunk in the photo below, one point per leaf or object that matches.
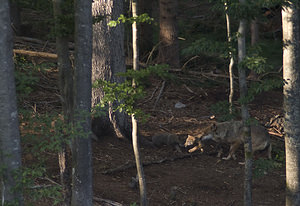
(135, 142)
(231, 81)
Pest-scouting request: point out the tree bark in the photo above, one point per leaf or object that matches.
(230, 68)
(135, 142)
(146, 30)
(108, 60)
(245, 113)
(291, 95)
(168, 35)
(10, 148)
(66, 92)
(82, 193)
(254, 32)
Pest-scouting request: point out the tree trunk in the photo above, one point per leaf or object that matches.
(146, 30)
(82, 193)
(135, 142)
(108, 60)
(10, 148)
(245, 113)
(254, 32)
(254, 40)
(291, 92)
(168, 35)
(66, 92)
(230, 69)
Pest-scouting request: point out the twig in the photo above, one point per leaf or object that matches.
(159, 95)
(107, 202)
(151, 95)
(132, 165)
(151, 53)
(194, 57)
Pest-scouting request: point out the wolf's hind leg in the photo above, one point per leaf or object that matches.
(233, 148)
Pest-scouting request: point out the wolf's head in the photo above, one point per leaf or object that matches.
(190, 140)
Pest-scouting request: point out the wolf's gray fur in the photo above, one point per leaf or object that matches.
(232, 132)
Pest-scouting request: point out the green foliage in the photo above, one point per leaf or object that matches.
(248, 10)
(256, 63)
(134, 204)
(40, 5)
(206, 46)
(25, 76)
(42, 137)
(221, 110)
(65, 23)
(143, 18)
(259, 87)
(262, 166)
(125, 94)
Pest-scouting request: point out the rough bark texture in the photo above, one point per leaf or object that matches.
(291, 92)
(146, 30)
(10, 149)
(245, 113)
(82, 193)
(168, 35)
(135, 142)
(254, 32)
(66, 92)
(108, 60)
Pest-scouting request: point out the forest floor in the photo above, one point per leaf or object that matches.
(175, 178)
(182, 179)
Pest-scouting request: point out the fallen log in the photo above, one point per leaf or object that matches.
(35, 54)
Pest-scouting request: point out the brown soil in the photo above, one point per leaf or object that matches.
(181, 179)
(174, 178)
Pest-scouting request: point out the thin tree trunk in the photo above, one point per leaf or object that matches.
(10, 147)
(168, 35)
(254, 40)
(82, 191)
(66, 92)
(135, 142)
(291, 93)
(245, 113)
(108, 60)
(254, 32)
(146, 29)
(231, 80)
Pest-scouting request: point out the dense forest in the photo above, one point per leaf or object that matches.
(139, 102)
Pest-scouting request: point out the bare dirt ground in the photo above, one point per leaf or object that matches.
(198, 179)
(174, 178)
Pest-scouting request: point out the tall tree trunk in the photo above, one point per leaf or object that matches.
(146, 29)
(291, 92)
(66, 92)
(10, 148)
(254, 32)
(82, 193)
(231, 80)
(168, 35)
(108, 60)
(135, 142)
(254, 40)
(245, 113)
